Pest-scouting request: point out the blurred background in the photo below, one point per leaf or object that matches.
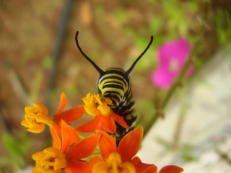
(39, 60)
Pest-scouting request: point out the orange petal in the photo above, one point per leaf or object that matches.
(69, 136)
(106, 123)
(150, 169)
(130, 143)
(100, 122)
(62, 103)
(76, 166)
(171, 169)
(84, 148)
(70, 115)
(89, 126)
(55, 137)
(143, 167)
(120, 120)
(107, 144)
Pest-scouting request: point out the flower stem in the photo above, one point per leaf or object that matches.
(179, 125)
(178, 82)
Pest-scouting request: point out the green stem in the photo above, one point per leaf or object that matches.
(175, 85)
(179, 126)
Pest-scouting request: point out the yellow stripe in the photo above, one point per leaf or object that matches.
(113, 81)
(101, 84)
(111, 74)
(113, 89)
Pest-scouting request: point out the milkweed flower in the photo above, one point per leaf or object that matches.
(49, 160)
(122, 159)
(71, 153)
(66, 153)
(171, 56)
(36, 116)
(104, 118)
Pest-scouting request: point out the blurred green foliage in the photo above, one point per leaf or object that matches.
(16, 148)
(223, 26)
(186, 152)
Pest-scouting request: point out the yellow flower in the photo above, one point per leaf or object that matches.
(114, 164)
(36, 117)
(50, 160)
(95, 104)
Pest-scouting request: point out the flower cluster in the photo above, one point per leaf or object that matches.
(74, 154)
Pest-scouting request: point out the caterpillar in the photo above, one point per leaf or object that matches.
(114, 83)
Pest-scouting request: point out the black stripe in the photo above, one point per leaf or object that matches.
(114, 98)
(116, 72)
(127, 107)
(112, 93)
(113, 86)
(114, 77)
(128, 94)
(116, 82)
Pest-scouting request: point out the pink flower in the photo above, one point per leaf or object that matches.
(172, 56)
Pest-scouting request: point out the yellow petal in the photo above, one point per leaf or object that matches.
(95, 104)
(100, 167)
(49, 160)
(128, 167)
(36, 117)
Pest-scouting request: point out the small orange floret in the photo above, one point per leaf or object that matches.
(50, 160)
(95, 104)
(104, 118)
(114, 164)
(36, 117)
(126, 149)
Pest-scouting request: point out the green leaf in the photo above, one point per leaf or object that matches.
(177, 20)
(156, 24)
(16, 148)
(188, 152)
(166, 144)
(47, 62)
(144, 116)
(28, 54)
(223, 26)
(121, 16)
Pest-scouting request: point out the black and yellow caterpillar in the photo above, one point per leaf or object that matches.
(114, 83)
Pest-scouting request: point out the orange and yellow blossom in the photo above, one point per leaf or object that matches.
(36, 116)
(66, 153)
(121, 158)
(49, 160)
(104, 119)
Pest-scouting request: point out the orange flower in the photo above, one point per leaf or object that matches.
(70, 115)
(49, 160)
(66, 153)
(104, 119)
(121, 158)
(36, 116)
